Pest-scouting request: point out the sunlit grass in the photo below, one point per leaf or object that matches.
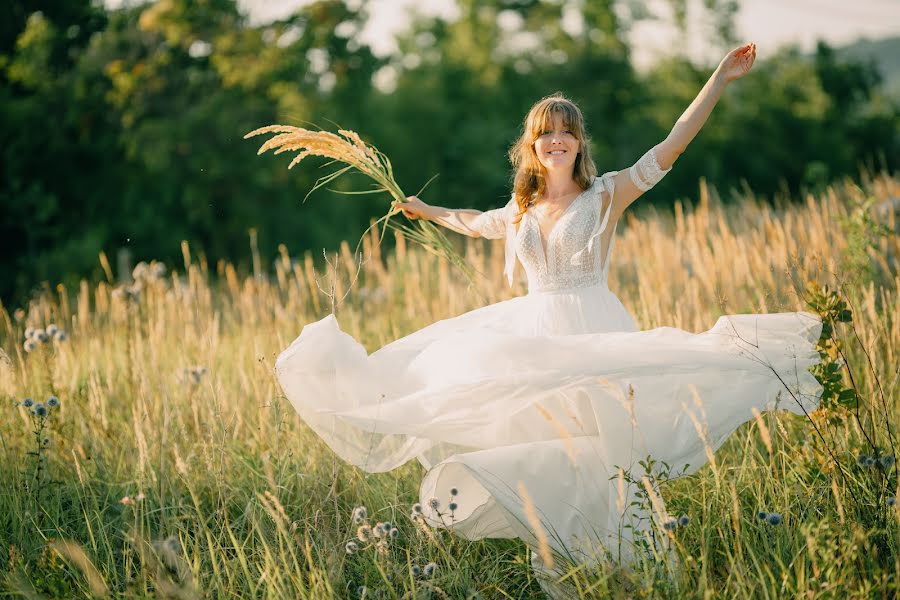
(174, 467)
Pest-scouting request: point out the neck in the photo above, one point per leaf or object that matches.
(559, 184)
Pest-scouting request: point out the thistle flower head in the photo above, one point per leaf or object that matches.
(891, 501)
(670, 524)
(173, 544)
(886, 461)
(454, 491)
(364, 533)
(684, 521)
(395, 533)
(27, 402)
(870, 462)
(434, 503)
(60, 336)
(359, 515)
(774, 519)
(431, 569)
(762, 515)
(29, 333)
(53, 402)
(416, 570)
(29, 345)
(417, 507)
(453, 506)
(40, 335)
(351, 547)
(361, 591)
(52, 329)
(39, 410)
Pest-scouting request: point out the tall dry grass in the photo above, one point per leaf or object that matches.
(176, 469)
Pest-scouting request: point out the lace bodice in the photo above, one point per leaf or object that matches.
(579, 245)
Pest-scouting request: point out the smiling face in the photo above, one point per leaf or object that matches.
(556, 145)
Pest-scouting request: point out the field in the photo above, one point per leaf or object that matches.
(173, 466)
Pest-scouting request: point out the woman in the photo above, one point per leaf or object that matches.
(527, 408)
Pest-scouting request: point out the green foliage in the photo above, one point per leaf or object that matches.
(832, 309)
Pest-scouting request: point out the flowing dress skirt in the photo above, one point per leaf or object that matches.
(529, 406)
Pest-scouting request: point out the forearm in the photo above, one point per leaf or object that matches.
(460, 220)
(691, 121)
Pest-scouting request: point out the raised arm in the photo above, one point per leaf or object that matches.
(631, 183)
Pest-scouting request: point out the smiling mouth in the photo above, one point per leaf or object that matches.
(556, 152)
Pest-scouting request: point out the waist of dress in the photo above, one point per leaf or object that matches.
(568, 288)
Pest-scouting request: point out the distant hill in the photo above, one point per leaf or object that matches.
(885, 51)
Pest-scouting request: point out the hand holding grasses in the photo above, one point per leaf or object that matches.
(347, 147)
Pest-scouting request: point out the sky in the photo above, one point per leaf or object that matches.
(768, 23)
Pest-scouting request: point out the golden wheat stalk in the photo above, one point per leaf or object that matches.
(347, 147)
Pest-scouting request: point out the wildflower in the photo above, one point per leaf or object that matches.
(886, 461)
(870, 462)
(683, 521)
(774, 519)
(140, 496)
(861, 460)
(351, 547)
(29, 345)
(359, 515)
(387, 525)
(52, 329)
(670, 524)
(762, 515)
(39, 410)
(891, 501)
(430, 569)
(46, 441)
(60, 336)
(361, 591)
(417, 508)
(52, 401)
(434, 503)
(27, 402)
(416, 570)
(364, 533)
(29, 333)
(127, 501)
(454, 491)
(395, 533)
(40, 335)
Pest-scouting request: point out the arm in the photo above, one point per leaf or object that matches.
(466, 221)
(736, 64)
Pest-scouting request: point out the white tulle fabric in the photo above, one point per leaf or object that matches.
(553, 391)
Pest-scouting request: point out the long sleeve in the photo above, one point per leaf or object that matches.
(646, 172)
(497, 223)
(491, 224)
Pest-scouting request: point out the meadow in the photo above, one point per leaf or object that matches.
(168, 463)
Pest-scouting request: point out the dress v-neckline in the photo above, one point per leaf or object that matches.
(545, 246)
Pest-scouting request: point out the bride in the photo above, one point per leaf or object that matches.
(527, 413)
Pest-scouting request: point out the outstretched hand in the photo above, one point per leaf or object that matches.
(737, 63)
(413, 208)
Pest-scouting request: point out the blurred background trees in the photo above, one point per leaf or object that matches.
(123, 129)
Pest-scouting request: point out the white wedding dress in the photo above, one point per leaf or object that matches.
(551, 392)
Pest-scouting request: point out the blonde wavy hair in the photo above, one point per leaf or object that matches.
(529, 179)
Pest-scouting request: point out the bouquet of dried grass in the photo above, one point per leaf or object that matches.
(348, 148)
